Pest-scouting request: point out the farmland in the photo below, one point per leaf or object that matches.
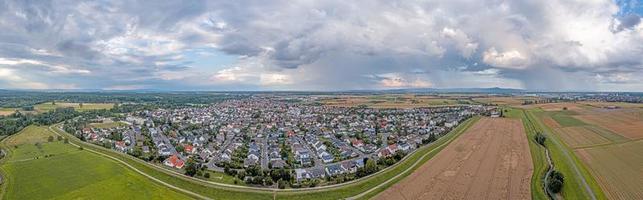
(44, 107)
(508, 101)
(493, 151)
(38, 169)
(394, 101)
(608, 142)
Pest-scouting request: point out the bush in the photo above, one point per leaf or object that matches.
(206, 175)
(540, 138)
(66, 141)
(50, 138)
(555, 181)
(59, 138)
(281, 184)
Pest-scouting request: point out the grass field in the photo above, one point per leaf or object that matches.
(56, 170)
(44, 107)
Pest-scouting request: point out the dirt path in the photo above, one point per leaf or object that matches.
(489, 161)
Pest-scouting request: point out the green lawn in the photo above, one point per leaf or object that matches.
(70, 173)
(224, 192)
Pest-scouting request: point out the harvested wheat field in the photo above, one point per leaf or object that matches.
(489, 161)
(628, 123)
(618, 168)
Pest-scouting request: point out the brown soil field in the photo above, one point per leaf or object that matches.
(579, 136)
(626, 122)
(491, 160)
(618, 168)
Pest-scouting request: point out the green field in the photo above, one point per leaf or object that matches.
(56, 170)
(44, 107)
(216, 191)
(563, 157)
(564, 118)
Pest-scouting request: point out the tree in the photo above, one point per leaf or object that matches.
(191, 167)
(50, 138)
(206, 175)
(540, 138)
(555, 181)
(66, 141)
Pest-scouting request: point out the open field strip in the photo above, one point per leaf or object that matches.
(226, 191)
(579, 183)
(491, 160)
(62, 171)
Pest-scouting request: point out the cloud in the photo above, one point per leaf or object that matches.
(321, 45)
(509, 59)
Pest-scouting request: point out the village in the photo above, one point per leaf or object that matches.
(269, 132)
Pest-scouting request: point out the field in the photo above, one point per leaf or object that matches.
(511, 101)
(7, 111)
(489, 161)
(44, 107)
(61, 171)
(609, 142)
(394, 101)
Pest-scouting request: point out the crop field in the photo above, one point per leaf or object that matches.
(618, 168)
(394, 101)
(491, 160)
(511, 101)
(44, 107)
(61, 171)
(627, 123)
(609, 143)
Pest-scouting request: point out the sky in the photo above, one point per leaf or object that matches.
(537, 45)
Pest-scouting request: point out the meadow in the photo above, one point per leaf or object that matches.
(38, 169)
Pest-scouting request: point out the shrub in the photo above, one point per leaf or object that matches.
(50, 138)
(206, 175)
(555, 181)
